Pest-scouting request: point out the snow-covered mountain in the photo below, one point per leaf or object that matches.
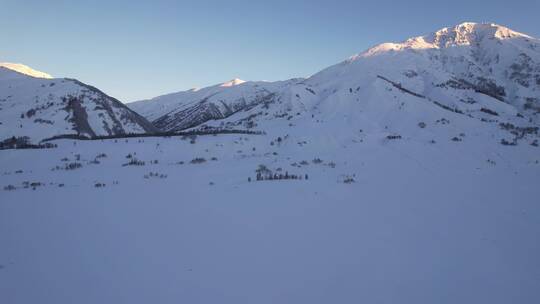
(484, 72)
(24, 69)
(406, 174)
(463, 67)
(182, 110)
(36, 106)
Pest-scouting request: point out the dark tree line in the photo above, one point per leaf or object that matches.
(213, 131)
(23, 143)
(280, 176)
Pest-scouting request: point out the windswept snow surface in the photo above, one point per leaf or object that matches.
(422, 223)
(422, 187)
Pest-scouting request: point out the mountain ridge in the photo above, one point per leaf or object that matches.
(36, 108)
(469, 68)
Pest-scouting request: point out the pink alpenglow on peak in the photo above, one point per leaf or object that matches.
(464, 34)
(233, 82)
(26, 70)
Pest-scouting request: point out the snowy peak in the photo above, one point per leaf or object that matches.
(228, 84)
(232, 83)
(26, 70)
(469, 33)
(464, 34)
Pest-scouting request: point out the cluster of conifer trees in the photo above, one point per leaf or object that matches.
(264, 174)
(275, 176)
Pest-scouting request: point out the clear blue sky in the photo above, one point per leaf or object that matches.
(135, 50)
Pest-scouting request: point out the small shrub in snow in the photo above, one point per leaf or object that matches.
(456, 139)
(347, 179)
(155, 175)
(134, 162)
(489, 111)
(505, 142)
(269, 176)
(72, 166)
(198, 160)
(422, 125)
(443, 121)
(9, 188)
(262, 169)
(32, 185)
(99, 185)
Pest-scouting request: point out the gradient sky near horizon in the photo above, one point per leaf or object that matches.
(135, 50)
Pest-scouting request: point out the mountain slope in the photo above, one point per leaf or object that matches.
(39, 108)
(460, 65)
(476, 72)
(182, 110)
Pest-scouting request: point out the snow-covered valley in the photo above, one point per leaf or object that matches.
(406, 174)
(375, 221)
